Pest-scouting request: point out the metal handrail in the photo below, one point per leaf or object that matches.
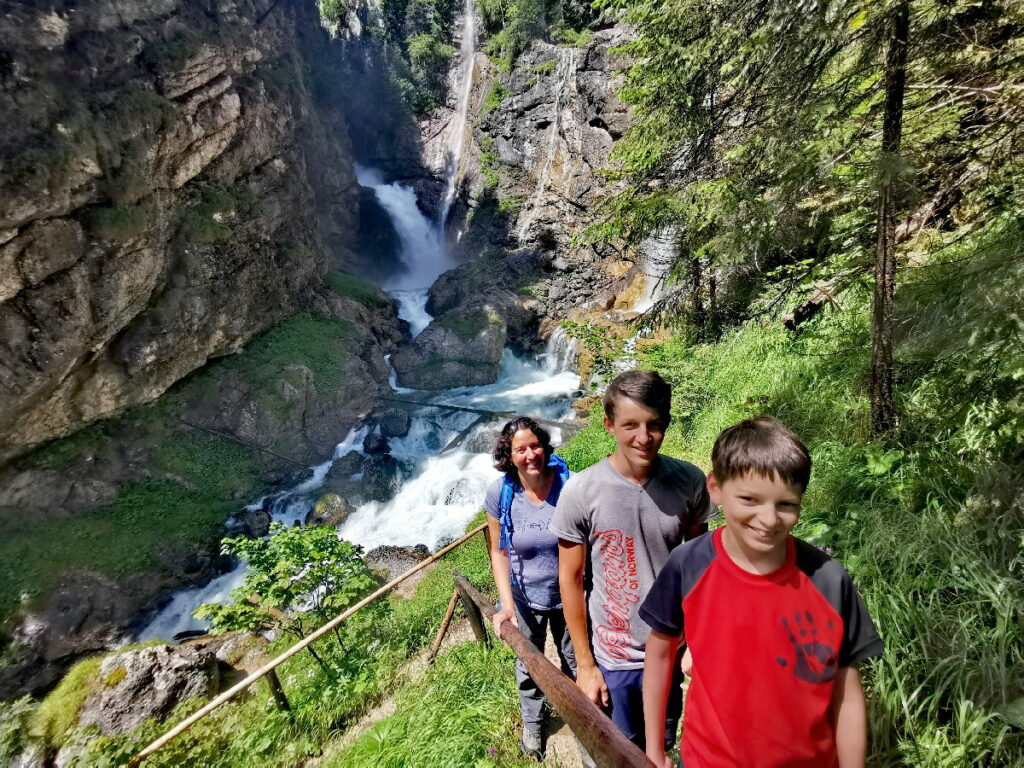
(271, 665)
(606, 744)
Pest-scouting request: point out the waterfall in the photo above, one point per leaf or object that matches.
(423, 254)
(560, 353)
(564, 72)
(467, 49)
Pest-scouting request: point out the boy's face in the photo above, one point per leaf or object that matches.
(638, 432)
(759, 513)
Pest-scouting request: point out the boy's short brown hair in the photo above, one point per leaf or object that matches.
(764, 446)
(644, 387)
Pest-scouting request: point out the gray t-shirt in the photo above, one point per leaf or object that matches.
(533, 556)
(629, 531)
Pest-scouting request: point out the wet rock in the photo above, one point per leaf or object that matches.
(460, 348)
(349, 464)
(396, 560)
(150, 682)
(393, 422)
(382, 478)
(481, 441)
(330, 509)
(375, 444)
(253, 523)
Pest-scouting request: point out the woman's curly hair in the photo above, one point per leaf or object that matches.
(503, 445)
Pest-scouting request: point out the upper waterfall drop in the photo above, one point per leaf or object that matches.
(457, 140)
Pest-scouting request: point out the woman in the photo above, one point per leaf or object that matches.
(524, 556)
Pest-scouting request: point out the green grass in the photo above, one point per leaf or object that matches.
(463, 712)
(494, 98)
(58, 713)
(314, 341)
(356, 288)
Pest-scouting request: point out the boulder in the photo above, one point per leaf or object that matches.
(382, 477)
(330, 509)
(254, 523)
(460, 348)
(396, 560)
(375, 444)
(150, 682)
(481, 441)
(349, 464)
(393, 422)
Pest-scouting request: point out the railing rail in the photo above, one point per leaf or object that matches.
(606, 744)
(274, 663)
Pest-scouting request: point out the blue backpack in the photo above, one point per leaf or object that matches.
(508, 489)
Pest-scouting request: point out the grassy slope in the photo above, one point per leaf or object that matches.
(192, 480)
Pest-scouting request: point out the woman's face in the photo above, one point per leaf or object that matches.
(528, 454)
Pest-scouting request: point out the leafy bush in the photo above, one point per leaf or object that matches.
(298, 579)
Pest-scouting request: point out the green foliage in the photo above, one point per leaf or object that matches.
(116, 223)
(333, 10)
(544, 67)
(205, 221)
(602, 347)
(58, 712)
(577, 38)
(15, 718)
(589, 445)
(297, 579)
(494, 98)
(489, 162)
(313, 341)
(356, 288)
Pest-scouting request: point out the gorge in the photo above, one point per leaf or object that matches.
(217, 214)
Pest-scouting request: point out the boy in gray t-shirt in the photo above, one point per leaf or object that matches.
(620, 519)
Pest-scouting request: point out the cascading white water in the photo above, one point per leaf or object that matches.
(457, 140)
(565, 73)
(443, 489)
(423, 254)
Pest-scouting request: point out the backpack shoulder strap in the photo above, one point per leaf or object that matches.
(505, 512)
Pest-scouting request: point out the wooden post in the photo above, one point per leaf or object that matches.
(436, 645)
(605, 743)
(274, 684)
(476, 619)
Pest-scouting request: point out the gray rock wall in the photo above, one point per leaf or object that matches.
(169, 187)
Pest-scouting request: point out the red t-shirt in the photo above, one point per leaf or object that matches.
(765, 649)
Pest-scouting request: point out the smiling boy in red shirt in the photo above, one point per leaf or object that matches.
(774, 625)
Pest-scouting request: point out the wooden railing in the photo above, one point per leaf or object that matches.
(270, 667)
(606, 744)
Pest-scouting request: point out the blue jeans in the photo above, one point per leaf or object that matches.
(625, 689)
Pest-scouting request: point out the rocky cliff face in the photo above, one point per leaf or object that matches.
(169, 188)
(531, 181)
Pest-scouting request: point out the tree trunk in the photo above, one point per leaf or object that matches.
(883, 410)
